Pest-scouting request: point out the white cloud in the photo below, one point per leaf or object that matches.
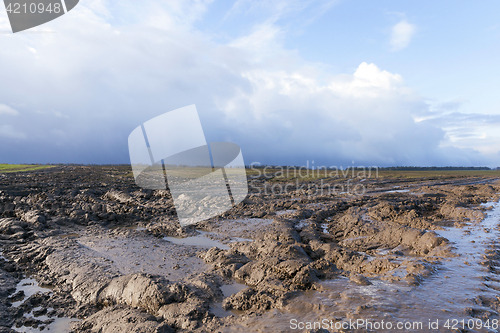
(5, 109)
(464, 130)
(401, 35)
(368, 81)
(366, 116)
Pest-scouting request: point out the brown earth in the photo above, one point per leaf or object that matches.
(96, 240)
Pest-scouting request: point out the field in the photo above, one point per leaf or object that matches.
(5, 168)
(304, 174)
(282, 175)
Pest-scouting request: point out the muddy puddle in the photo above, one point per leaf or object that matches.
(30, 287)
(58, 325)
(449, 295)
(302, 224)
(397, 191)
(227, 291)
(285, 212)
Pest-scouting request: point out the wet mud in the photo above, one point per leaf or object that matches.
(83, 249)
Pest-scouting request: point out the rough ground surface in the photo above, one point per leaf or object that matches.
(95, 239)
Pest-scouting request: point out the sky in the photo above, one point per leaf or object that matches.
(369, 83)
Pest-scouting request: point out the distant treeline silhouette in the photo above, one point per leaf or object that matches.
(262, 166)
(433, 168)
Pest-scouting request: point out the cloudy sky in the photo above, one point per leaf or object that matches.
(375, 82)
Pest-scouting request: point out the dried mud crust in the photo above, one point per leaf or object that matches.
(96, 239)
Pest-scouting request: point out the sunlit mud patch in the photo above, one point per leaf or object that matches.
(229, 230)
(201, 240)
(136, 252)
(460, 293)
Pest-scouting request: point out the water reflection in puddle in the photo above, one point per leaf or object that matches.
(134, 227)
(284, 212)
(30, 287)
(59, 325)
(302, 224)
(70, 235)
(397, 191)
(230, 289)
(227, 290)
(41, 317)
(239, 239)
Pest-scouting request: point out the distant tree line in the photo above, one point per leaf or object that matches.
(433, 168)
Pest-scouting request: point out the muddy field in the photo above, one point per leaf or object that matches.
(83, 249)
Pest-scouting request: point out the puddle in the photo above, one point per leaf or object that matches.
(397, 191)
(200, 240)
(284, 212)
(128, 228)
(318, 205)
(302, 224)
(488, 204)
(446, 294)
(72, 235)
(227, 290)
(2, 257)
(30, 287)
(346, 241)
(60, 325)
(239, 239)
(324, 226)
(230, 289)
(219, 311)
(42, 317)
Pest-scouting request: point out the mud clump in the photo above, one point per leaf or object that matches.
(121, 319)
